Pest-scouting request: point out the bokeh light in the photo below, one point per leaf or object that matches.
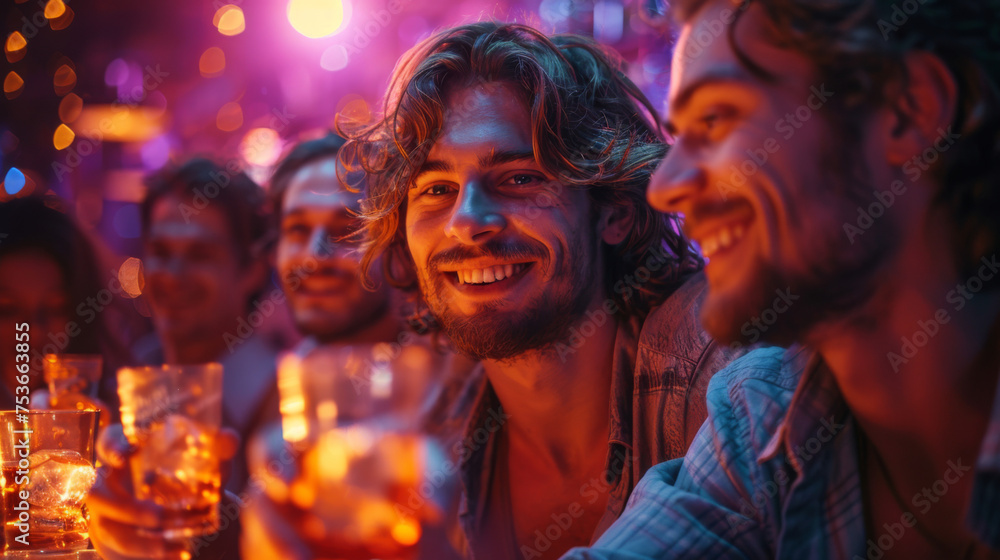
(261, 146)
(64, 80)
(229, 20)
(118, 123)
(70, 107)
(13, 182)
(156, 152)
(212, 62)
(54, 9)
(229, 117)
(116, 73)
(316, 18)
(131, 278)
(334, 58)
(12, 85)
(15, 47)
(63, 137)
(63, 21)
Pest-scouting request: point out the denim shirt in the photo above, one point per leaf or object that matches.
(774, 473)
(660, 373)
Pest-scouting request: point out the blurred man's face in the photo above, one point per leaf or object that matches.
(196, 285)
(751, 171)
(320, 270)
(502, 273)
(32, 291)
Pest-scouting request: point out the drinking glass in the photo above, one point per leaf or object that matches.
(48, 468)
(73, 383)
(171, 414)
(360, 459)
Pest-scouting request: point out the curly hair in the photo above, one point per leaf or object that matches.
(591, 129)
(858, 46)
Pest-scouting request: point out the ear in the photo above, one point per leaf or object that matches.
(615, 224)
(926, 107)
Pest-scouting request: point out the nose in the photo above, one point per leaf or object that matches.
(322, 244)
(676, 182)
(476, 217)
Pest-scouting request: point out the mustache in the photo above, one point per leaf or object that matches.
(500, 250)
(324, 271)
(704, 210)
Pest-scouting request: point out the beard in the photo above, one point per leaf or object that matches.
(836, 279)
(492, 333)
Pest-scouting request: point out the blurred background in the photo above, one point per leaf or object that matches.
(100, 93)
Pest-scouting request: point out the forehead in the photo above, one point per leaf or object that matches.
(315, 186)
(483, 117)
(174, 218)
(704, 52)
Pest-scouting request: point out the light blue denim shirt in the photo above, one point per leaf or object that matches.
(773, 473)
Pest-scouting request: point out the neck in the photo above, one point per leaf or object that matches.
(919, 365)
(199, 351)
(384, 329)
(558, 402)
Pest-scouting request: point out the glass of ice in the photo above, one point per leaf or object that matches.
(73, 383)
(360, 459)
(171, 414)
(48, 468)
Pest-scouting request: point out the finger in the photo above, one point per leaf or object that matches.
(112, 498)
(268, 535)
(113, 447)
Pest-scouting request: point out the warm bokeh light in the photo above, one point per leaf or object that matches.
(63, 21)
(64, 80)
(70, 107)
(212, 62)
(63, 137)
(12, 85)
(130, 275)
(294, 427)
(406, 532)
(13, 182)
(15, 47)
(316, 18)
(229, 20)
(230, 117)
(261, 146)
(54, 9)
(118, 123)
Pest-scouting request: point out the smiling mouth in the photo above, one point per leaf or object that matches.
(723, 238)
(489, 274)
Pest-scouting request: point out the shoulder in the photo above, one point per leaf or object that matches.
(752, 394)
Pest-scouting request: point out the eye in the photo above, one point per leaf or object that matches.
(523, 179)
(295, 230)
(436, 190)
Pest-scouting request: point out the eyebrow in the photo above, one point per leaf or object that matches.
(493, 159)
(725, 76)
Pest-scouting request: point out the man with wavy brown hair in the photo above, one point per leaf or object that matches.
(850, 151)
(506, 183)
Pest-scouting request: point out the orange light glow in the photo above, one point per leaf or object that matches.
(261, 146)
(63, 137)
(54, 9)
(212, 62)
(130, 275)
(63, 21)
(70, 107)
(12, 85)
(16, 42)
(229, 20)
(406, 532)
(116, 123)
(230, 117)
(64, 80)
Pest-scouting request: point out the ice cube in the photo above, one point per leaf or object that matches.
(58, 477)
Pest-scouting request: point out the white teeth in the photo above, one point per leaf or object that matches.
(489, 274)
(723, 238)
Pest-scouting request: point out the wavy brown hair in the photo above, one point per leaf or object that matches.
(859, 46)
(591, 127)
